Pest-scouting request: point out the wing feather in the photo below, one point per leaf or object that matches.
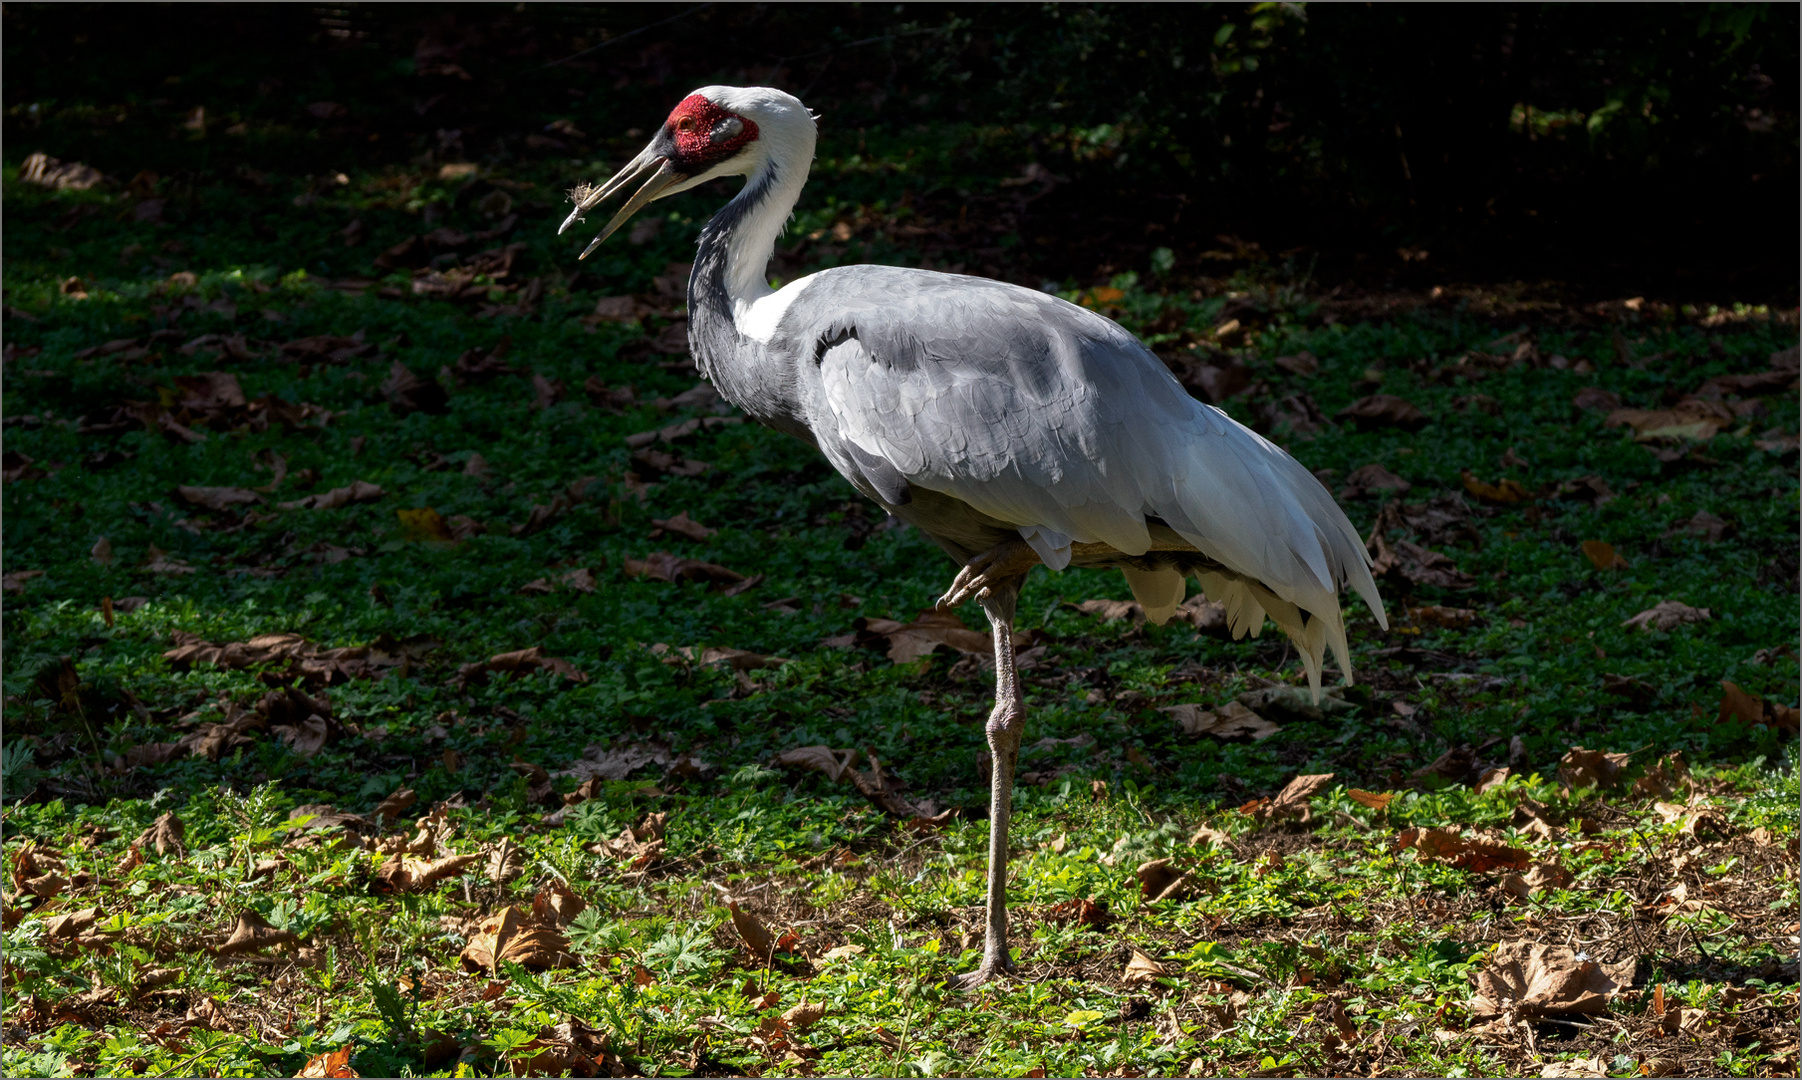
(1047, 416)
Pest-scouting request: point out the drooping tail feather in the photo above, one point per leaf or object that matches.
(1248, 602)
(1159, 592)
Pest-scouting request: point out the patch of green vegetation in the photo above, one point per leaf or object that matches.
(1313, 943)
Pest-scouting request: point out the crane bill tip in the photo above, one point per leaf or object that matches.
(592, 244)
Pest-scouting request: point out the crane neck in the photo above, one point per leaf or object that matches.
(768, 198)
(734, 253)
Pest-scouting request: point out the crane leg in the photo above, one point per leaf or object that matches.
(1007, 723)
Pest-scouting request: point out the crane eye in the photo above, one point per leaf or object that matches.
(727, 129)
(685, 125)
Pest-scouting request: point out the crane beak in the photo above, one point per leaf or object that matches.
(649, 163)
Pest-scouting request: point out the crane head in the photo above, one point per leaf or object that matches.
(715, 131)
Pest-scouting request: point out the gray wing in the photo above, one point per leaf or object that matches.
(1048, 416)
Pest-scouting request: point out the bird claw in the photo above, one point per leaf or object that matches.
(1008, 559)
(987, 972)
(969, 582)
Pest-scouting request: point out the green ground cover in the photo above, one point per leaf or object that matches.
(384, 414)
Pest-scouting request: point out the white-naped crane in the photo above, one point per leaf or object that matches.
(1012, 427)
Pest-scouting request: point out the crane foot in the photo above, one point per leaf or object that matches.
(1006, 560)
(985, 973)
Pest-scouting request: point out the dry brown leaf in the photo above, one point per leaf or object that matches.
(618, 309)
(514, 935)
(407, 392)
(1666, 777)
(394, 805)
(545, 391)
(1207, 834)
(1436, 521)
(358, 491)
(681, 525)
(1477, 856)
(843, 952)
(1230, 721)
(756, 936)
(1113, 610)
(1366, 479)
(72, 923)
(304, 659)
(884, 791)
(253, 933)
(45, 886)
(1298, 412)
(1540, 980)
(1303, 364)
(1603, 555)
(1698, 816)
(904, 642)
(208, 1014)
(166, 834)
(424, 525)
(1538, 878)
(736, 659)
(30, 861)
(555, 905)
(1371, 799)
(131, 860)
(46, 171)
(518, 664)
(1143, 969)
(820, 759)
(1580, 768)
(1450, 618)
(805, 1015)
(404, 873)
(643, 843)
(333, 1064)
(1505, 493)
(663, 566)
(1491, 779)
(1160, 880)
(158, 561)
(1745, 707)
(155, 979)
(1383, 411)
(1455, 764)
(1206, 616)
(571, 1048)
(1691, 418)
(305, 738)
(601, 763)
(1575, 1067)
(1292, 801)
(1084, 912)
(1597, 399)
(218, 498)
(505, 861)
(1703, 526)
(14, 581)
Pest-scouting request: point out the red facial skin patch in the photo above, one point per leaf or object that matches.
(696, 126)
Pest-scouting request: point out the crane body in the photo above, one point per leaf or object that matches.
(1010, 426)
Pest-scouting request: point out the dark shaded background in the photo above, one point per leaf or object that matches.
(1614, 149)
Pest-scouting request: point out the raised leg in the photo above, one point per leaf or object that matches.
(1007, 561)
(1007, 723)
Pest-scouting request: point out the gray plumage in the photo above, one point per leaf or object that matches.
(1010, 426)
(975, 410)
